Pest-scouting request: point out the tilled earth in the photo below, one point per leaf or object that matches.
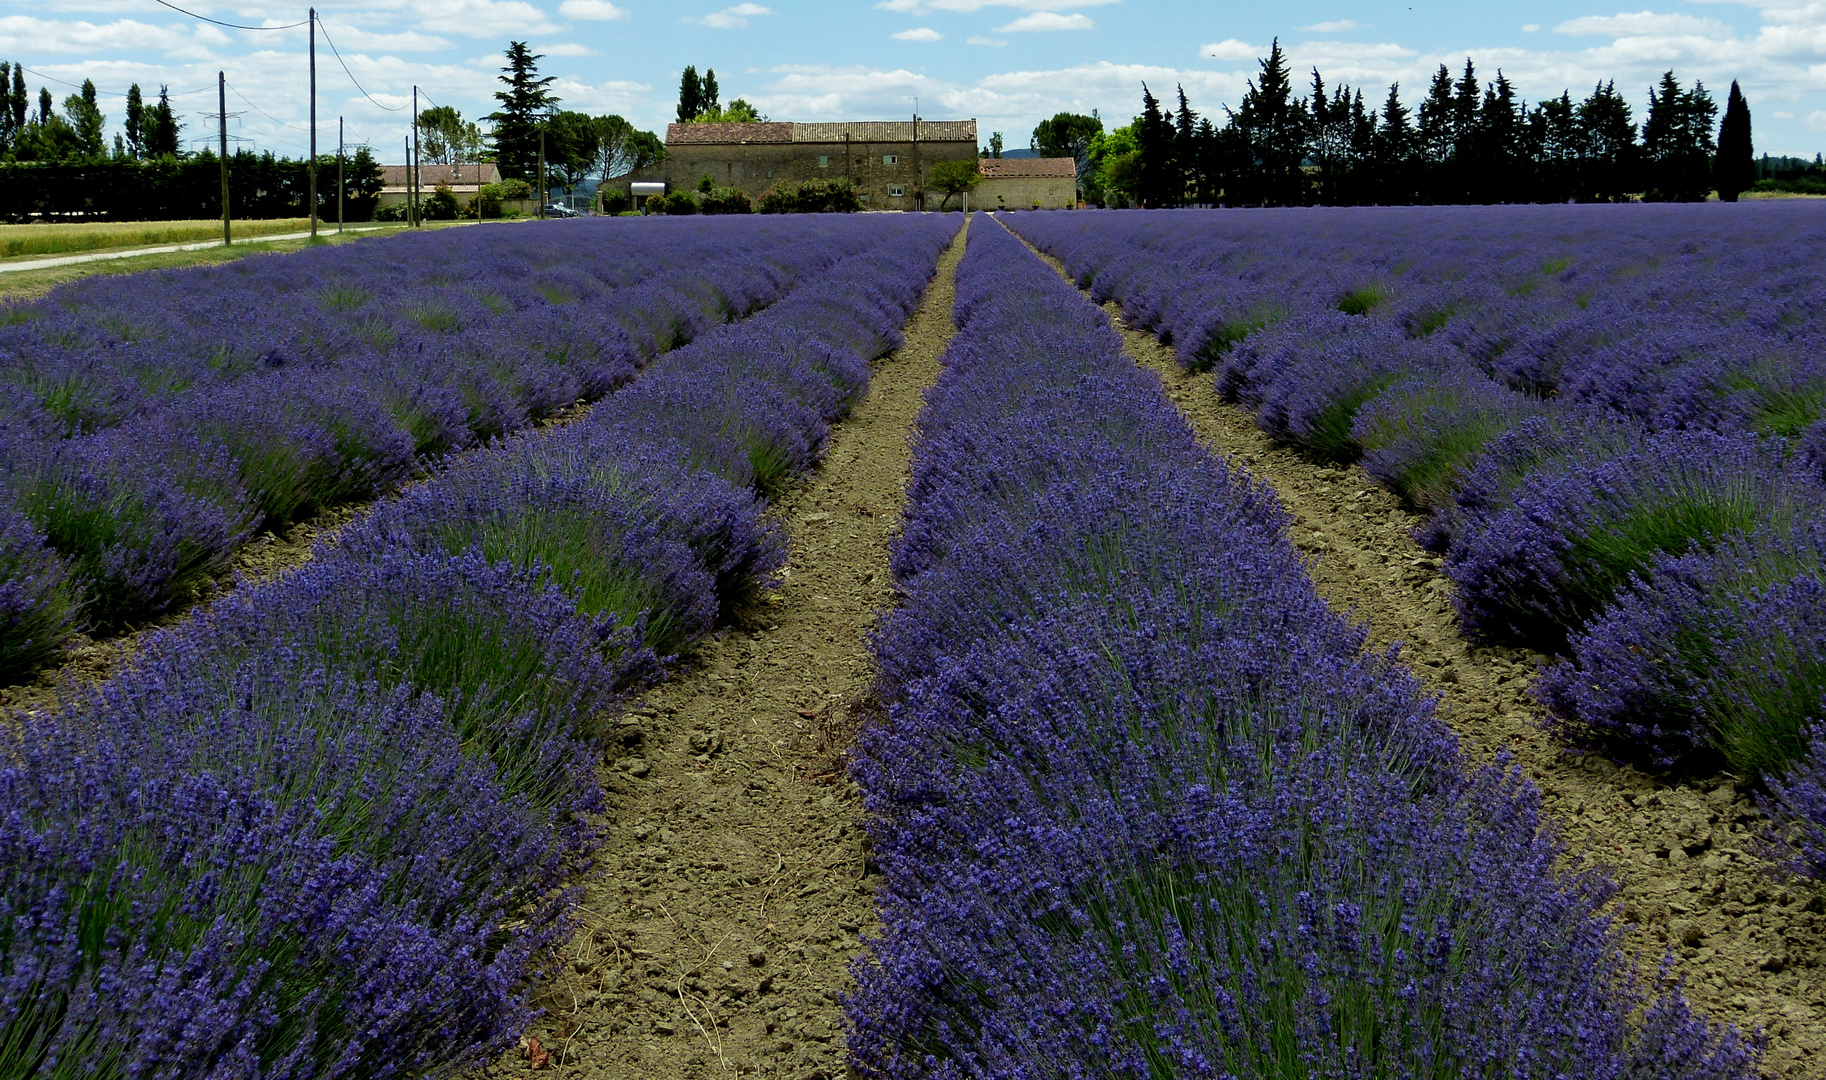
(733, 884)
(1749, 949)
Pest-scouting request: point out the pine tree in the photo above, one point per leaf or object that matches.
(1392, 153)
(690, 95)
(1435, 137)
(6, 115)
(18, 100)
(525, 105)
(1735, 169)
(84, 114)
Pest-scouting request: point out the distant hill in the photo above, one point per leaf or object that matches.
(1020, 153)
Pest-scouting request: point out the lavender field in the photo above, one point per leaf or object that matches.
(536, 763)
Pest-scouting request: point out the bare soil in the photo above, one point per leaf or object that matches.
(1749, 948)
(728, 898)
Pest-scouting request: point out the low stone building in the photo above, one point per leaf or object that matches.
(886, 160)
(1026, 184)
(462, 180)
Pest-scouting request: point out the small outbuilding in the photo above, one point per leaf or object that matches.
(1026, 184)
(463, 181)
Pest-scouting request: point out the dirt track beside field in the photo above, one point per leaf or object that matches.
(1749, 949)
(733, 884)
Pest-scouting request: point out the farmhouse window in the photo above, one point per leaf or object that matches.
(770, 174)
(890, 159)
(896, 192)
(823, 160)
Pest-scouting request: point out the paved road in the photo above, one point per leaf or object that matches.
(100, 256)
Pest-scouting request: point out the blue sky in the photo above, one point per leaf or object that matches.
(1008, 63)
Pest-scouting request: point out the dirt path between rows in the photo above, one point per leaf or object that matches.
(1749, 949)
(732, 886)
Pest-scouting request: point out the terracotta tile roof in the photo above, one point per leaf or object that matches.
(785, 132)
(887, 131)
(726, 134)
(1062, 167)
(430, 176)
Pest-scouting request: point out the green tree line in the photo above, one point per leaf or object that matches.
(1468, 141)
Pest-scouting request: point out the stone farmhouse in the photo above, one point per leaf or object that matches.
(463, 181)
(1026, 184)
(886, 160)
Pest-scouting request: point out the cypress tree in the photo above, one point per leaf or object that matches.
(1159, 170)
(1392, 153)
(690, 95)
(160, 128)
(1735, 169)
(1271, 137)
(1608, 152)
(19, 100)
(6, 115)
(135, 122)
(707, 93)
(1435, 137)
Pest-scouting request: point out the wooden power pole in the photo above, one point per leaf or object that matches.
(313, 19)
(222, 131)
(339, 176)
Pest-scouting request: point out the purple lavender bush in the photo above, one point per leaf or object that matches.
(37, 605)
(1573, 533)
(1720, 652)
(1422, 433)
(143, 518)
(1143, 806)
(1797, 802)
(271, 877)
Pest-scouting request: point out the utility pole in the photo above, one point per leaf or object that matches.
(919, 187)
(541, 171)
(416, 219)
(339, 176)
(222, 116)
(409, 221)
(313, 19)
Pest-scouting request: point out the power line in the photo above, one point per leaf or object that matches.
(231, 26)
(105, 93)
(345, 67)
(263, 112)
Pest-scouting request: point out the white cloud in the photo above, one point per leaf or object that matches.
(1816, 120)
(1642, 24)
(599, 10)
(1232, 49)
(1335, 26)
(1047, 20)
(920, 33)
(924, 7)
(482, 18)
(730, 18)
(567, 48)
(1783, 114)
(978, 39)
(1531, 28)
(26, 34)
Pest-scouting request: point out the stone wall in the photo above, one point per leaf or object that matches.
(1025, 193)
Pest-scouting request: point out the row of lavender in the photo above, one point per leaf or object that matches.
(1618, 422)
(323, 828)
(155, 423)
(1144, 806)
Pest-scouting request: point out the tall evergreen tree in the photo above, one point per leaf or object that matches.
(1393, 154)
(1159, 182)
(1735, 169)
(6, 115)
(707, 94)
(160, 127)
(1607, 146)
(525, 105)
(1677, 142)
(1271, 138)
(1436, 139)
(17, 101)
(690, 95)
(134, 122)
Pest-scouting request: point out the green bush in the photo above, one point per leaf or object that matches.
(725, 200)
(395, 212)
(440, 205)
(487, 202)
(679, 202)
(614, 202)
(811, 197)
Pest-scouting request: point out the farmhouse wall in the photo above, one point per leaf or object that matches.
(1026, 184)
(755, 157)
